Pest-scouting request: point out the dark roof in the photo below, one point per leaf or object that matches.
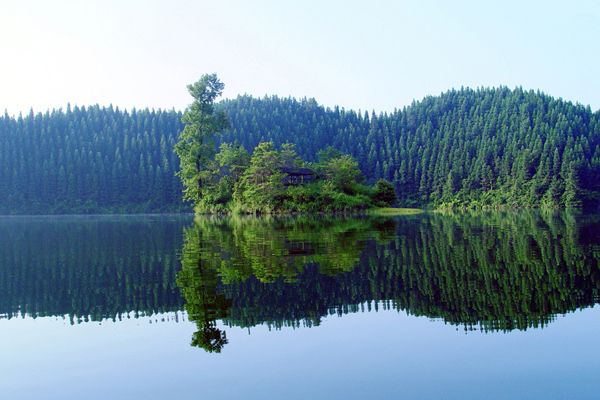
(297, 171)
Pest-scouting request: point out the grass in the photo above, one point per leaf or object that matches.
(391, 211)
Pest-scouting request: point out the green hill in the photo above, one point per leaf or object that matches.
(482, 147)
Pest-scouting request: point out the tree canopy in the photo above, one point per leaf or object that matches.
(465, 147)
(196, 145)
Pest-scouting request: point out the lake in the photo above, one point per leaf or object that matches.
(453, 306)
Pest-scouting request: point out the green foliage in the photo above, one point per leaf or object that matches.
(260, 186)
(90, 160)
(232, 160)
(288, 156)
(336, 200)
(222, 175)
(328, 153)
(196, 145)
(394, 212)
(384, 194)
(256, 185)
(520, 147)
(465, 148)
(324, 196)
(342, 171)
(304, 198)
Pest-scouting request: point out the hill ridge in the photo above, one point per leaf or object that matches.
(466, 147)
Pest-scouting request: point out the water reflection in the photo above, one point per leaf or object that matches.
(495, 271)
(89, 268)
(252, 265)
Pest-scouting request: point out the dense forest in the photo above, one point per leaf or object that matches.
(83, 160)
(480, 147)
(466, 147)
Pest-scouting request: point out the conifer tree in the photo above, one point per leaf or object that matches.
(196, 145)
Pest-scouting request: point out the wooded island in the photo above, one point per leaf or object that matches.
(270, 180)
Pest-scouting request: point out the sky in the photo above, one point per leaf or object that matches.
(375, 55)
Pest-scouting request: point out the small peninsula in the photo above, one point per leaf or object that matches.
(271, 180)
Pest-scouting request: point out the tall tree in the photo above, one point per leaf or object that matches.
(196, 145)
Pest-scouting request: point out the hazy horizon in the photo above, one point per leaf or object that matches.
(358, 56)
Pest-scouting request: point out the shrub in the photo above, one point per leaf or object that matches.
(384, 194)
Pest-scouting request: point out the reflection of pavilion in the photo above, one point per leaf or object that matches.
(297, 248)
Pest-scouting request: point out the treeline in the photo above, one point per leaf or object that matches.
(88, 160)
(481, 147)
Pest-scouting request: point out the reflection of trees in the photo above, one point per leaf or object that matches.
(495, 271)
(279, 248)
(89, 268)
(198, 282)
(232, 251)
(500, 271)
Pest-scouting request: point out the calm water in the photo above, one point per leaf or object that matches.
(470, 306)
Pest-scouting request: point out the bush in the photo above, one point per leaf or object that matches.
(384, 194)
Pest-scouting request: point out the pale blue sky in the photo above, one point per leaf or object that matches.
(362, 55)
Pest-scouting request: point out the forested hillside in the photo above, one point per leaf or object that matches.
(472, 147)
(89, 160)
(476, 147)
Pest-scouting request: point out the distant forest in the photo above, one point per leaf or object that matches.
(466, 147)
